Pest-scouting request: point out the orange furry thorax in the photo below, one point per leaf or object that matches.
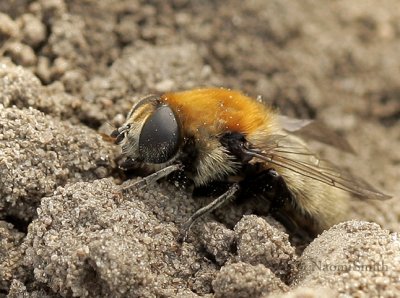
(217, 110)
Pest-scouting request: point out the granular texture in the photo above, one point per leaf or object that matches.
(91, 241)
(260, 243)
(245, 280)
(20, 87)
(11, 254)
(355, 258)
(38, 153)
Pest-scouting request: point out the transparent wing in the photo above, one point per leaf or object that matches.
(297, 158)
(293, 124)
(315, 130)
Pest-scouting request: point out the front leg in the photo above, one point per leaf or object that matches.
(151, 179)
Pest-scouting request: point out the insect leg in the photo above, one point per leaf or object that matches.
(152, 178)
(227, 196)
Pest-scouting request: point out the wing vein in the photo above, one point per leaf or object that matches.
(314, 170)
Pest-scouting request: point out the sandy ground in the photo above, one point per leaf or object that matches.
(67, 68)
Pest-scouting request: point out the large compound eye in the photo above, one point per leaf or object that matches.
(160, 136)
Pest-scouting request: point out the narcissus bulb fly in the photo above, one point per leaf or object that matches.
(220, 135)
